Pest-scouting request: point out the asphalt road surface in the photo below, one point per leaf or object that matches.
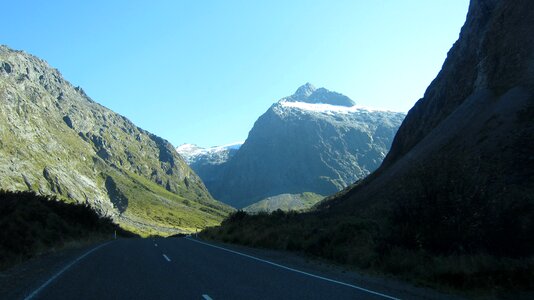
(185, 268)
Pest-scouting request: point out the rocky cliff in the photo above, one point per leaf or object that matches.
(313, 141)
(453, 203)
(55, 140)
(208, 163)
(461, 166)
(490, 55)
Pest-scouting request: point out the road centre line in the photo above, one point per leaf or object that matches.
(295, 270)
(34, 293)
(166, 257)
(206, 297)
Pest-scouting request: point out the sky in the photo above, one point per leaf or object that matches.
(202, 72)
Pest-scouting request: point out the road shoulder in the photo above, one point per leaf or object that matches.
(20, 280)
(324, 268)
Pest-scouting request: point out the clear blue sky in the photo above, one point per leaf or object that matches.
(203, 71)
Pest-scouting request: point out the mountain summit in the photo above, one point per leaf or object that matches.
(456, 191)
(309, 94)
(314, 141)
(304, 91)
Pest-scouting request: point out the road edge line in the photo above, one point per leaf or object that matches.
(295, 270)
(44, 285)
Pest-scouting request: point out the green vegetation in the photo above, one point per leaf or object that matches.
(286, 202)
(55, 140)
(366, 245)
(160, 209)
(33, 224)
(440, 227)
(445, 224)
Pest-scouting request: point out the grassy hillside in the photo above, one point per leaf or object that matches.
(33, 224)
(285, 202)
(55, 140)
(154, 210)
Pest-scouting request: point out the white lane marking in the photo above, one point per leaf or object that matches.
(297, 271)
(166, 257)
(32, 295)
(206, 297)
(155, 245)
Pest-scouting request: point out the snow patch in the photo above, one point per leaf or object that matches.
(188, 148)
(328, 108)
(190, 151)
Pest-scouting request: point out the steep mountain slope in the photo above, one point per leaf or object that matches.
(208, 163)
(193, 154)
(452, 205)
(313, 141)
(474, 125)
(55, 140)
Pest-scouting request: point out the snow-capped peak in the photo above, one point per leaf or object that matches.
(188, 148)
(305, 91)
(309, 94)
(191, 152)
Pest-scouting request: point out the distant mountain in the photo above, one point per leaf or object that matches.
(193, 154)
(208, 163)
(314, 141)
(456, 192)
(309, 94)
(55, 140)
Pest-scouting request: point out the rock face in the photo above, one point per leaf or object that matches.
(309, 94)
(313, 141)
(55, 140)
(488, 57)
(208, 163)
(466, 148)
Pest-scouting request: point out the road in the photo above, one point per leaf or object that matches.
(185, 268)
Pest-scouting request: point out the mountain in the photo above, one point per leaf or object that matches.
(208, 163)
(452, 205)
(470, 138)
(55, 140)
(314, 141)
(309, 94)
(193, 154)
(460, 173)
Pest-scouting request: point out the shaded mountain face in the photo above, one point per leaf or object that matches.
(55, 140)
(208, 163)
(313, 141)
(461, 167)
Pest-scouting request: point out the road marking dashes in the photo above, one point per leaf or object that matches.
(206, 297)
(166, 257)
